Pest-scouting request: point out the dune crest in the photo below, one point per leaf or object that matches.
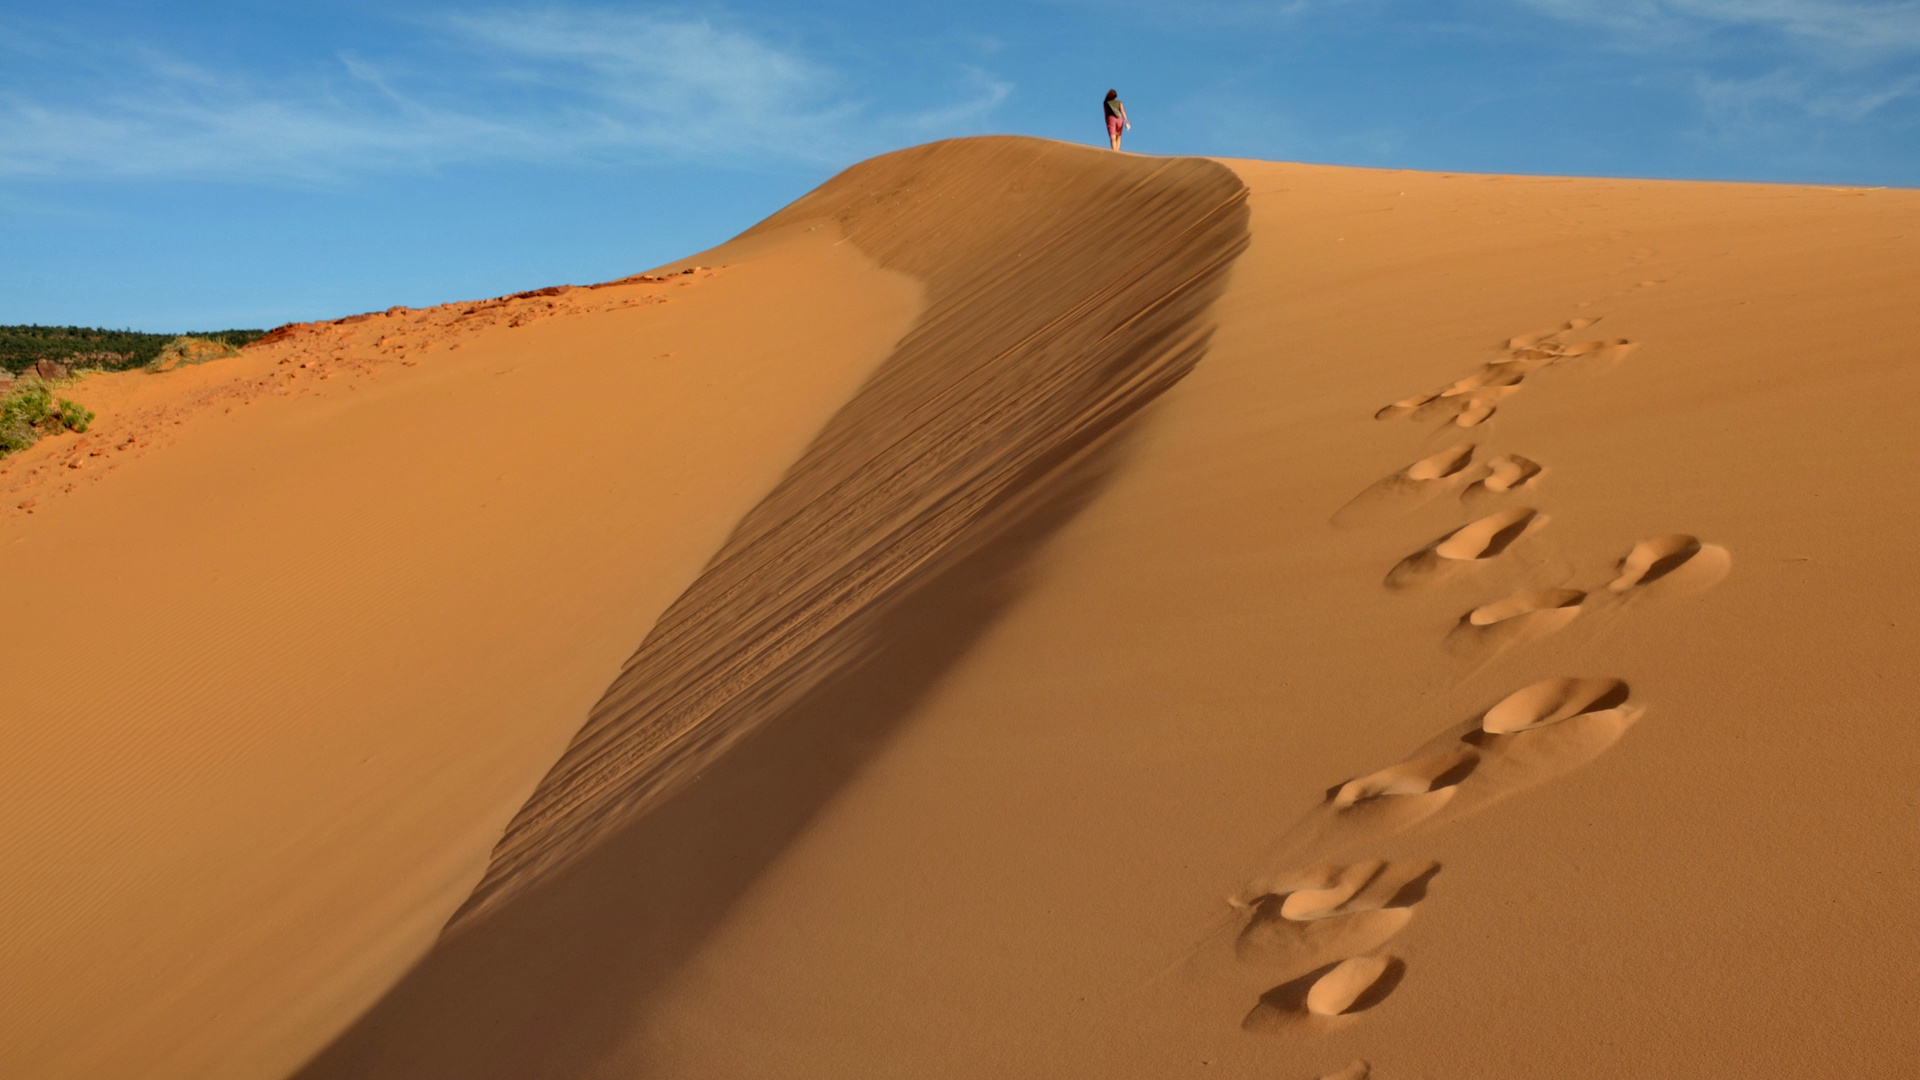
(1081, 745)
(307, 624)
(1066, 290)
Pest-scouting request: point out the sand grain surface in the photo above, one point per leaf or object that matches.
(1409, 625)
(307, 633)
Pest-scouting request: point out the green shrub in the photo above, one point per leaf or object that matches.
(88, 347)
(187, 349)
(30, 410)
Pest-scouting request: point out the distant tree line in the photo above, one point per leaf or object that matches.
(84, 347)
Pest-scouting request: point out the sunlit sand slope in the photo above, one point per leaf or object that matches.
(1065, 290)
(292, 635)
(1464, 633)
(1494, 658)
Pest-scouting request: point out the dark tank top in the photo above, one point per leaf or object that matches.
(1113, 107)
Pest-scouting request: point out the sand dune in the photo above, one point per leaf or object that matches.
(1095, 275)
(289, 653)
(1095, 616)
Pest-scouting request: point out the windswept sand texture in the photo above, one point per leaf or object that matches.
(1064, 293)
(287, 652)
(1145, 675)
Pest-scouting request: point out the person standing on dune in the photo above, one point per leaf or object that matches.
(1116, 118)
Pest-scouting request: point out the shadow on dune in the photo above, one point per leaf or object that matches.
(551, 984)
(1066, 290)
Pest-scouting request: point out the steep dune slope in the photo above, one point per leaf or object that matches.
(1067, 289)
(1490, 660)
(293, 634)
(1095, 616)
(377, 600)
(1065, 292)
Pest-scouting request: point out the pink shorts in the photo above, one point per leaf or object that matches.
(1113, 127)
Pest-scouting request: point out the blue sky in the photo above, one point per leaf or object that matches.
(180, 166)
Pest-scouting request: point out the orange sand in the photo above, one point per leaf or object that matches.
(1555, 724)
(277, 682)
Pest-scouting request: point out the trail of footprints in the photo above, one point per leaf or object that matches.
(1472, 401)
(1320, 927)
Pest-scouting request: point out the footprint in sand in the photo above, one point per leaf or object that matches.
(1521, 617)
(1327, 922)
(1675, 565)
(1540, 732)
(1498, 375)
(1301, 920)
(1565, 726)
(1407, 489)
(1489, 384)
(1528, 341)
(1417, 776)
(1473, 542)
(1399, 796)
(1478, 407)
(1547, 347)
(1354, 984)
(1446, 463)
(1471, 401)
(1500, 475)
(1351, 986)
(1358, 1069)
(1602, 353)
(1404, 407)
(1523, 740)
(1586, 354)
(1464, 407)
(1324, 892)
(1550, 701)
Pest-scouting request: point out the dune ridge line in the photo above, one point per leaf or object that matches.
(1066, 289)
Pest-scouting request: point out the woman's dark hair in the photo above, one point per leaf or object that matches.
(1111, 94)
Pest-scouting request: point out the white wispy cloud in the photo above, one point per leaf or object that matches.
(1795, 117)
(1836, 28)
(983, 93)
(1766, 73)
(187, 121)
(1747, 100)
(562, 85)
(685, 87)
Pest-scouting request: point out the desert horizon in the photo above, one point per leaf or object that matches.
(1017, 610)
